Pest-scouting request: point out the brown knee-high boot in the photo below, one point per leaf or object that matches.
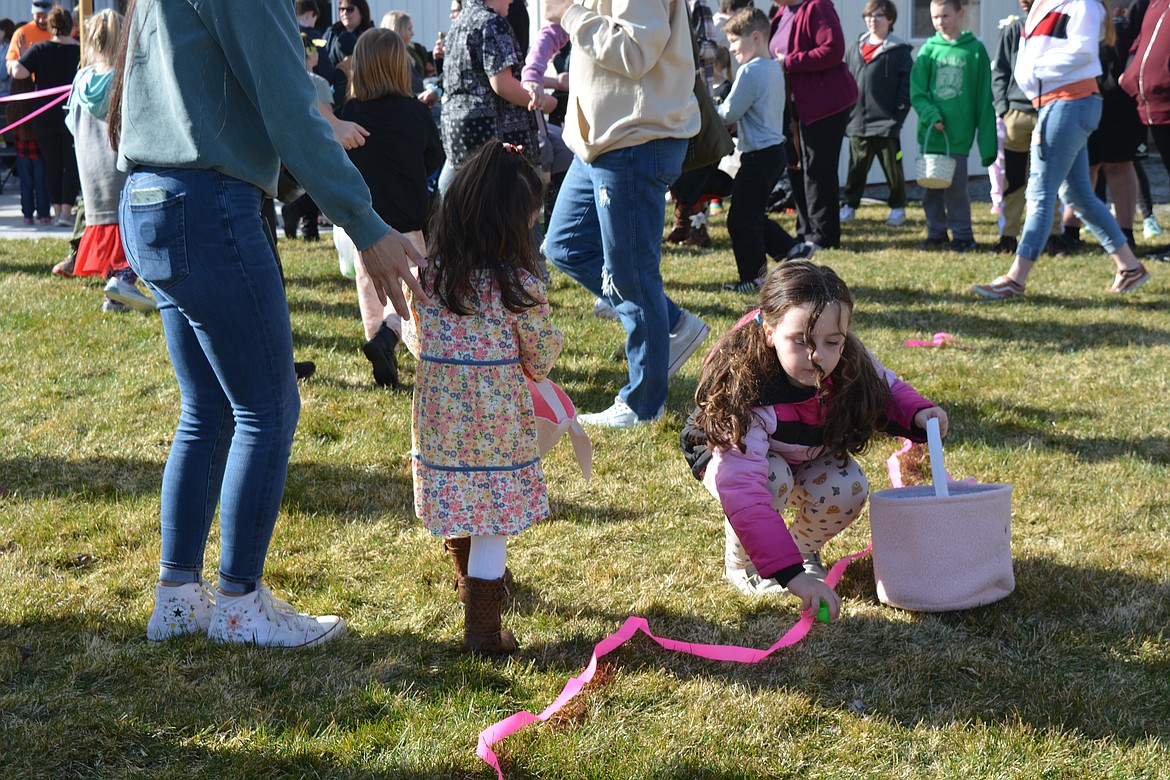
(481, 619)
(459, 548)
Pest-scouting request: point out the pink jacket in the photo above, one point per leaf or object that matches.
(740, 479)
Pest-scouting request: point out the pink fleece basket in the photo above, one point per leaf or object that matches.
(943, 547)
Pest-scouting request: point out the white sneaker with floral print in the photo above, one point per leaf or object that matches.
(259, 618)
(179, 610)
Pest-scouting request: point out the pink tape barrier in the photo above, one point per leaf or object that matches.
(61, 92)
(942, 339)
(744, 655)
(37, 93)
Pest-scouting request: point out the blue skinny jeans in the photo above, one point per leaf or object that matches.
(196, 238)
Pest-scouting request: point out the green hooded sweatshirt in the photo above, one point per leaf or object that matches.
(951, 81)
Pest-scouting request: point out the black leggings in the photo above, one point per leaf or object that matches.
(56, 145)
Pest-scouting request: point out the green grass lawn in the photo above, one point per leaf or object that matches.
(1066, 396)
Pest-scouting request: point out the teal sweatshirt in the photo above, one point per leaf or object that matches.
(221, 84)
(951, 81)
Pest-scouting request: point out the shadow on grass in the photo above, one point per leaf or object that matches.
(346, 492)
(1073, 649)
(1017, 426)
(104, 702)
(920, 312)
(322, 282)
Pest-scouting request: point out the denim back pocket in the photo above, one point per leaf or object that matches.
(155, 235)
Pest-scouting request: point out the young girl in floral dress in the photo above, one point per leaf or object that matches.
(477, 473)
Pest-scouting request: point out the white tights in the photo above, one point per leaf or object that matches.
(487, 557)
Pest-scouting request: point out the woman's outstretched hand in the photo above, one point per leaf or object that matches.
(388, 263)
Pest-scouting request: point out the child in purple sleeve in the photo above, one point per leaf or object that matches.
(551, 39)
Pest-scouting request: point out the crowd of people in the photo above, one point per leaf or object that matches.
(459, 175)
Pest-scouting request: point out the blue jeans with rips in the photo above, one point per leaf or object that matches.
(197, 239)
(1060, 167)
(606, 234)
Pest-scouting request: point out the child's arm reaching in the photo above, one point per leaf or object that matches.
(934, 412)
(538, 338)
(811, 592)
(907, 411)
(551, 39)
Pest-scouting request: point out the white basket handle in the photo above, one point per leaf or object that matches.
(926, 141)
(938, 473)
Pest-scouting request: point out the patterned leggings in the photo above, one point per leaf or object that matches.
(828, 497)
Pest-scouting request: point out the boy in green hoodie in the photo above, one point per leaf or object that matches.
(950, 90)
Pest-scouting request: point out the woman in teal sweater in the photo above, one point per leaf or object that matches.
(207, 101)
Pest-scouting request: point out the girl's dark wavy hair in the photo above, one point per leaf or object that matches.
(483, 222)
(742, 370)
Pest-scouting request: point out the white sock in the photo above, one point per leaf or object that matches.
(487, 557)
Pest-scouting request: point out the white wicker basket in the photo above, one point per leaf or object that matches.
(935, 171)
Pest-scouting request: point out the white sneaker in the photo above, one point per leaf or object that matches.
(1150, 227)
(179, 610)
(129, 294)
(604, 310)
(739, 570)
(848, 213)
(687, 336)
(897, 218)
(617, 416)
(259, 618)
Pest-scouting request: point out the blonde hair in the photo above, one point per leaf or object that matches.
(396, 21)
(380, 66)
(100, 38)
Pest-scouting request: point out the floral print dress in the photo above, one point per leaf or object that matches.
(474, 453)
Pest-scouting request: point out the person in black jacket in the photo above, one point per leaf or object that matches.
(402, 150)
(880, 63)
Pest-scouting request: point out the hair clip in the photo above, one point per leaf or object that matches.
(513, 149)
(759, 318)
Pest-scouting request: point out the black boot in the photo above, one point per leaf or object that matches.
(380, 352)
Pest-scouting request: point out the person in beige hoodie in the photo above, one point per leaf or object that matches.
(631, 111)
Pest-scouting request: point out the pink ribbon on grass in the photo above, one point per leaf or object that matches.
(941, 339)
(503, 729)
